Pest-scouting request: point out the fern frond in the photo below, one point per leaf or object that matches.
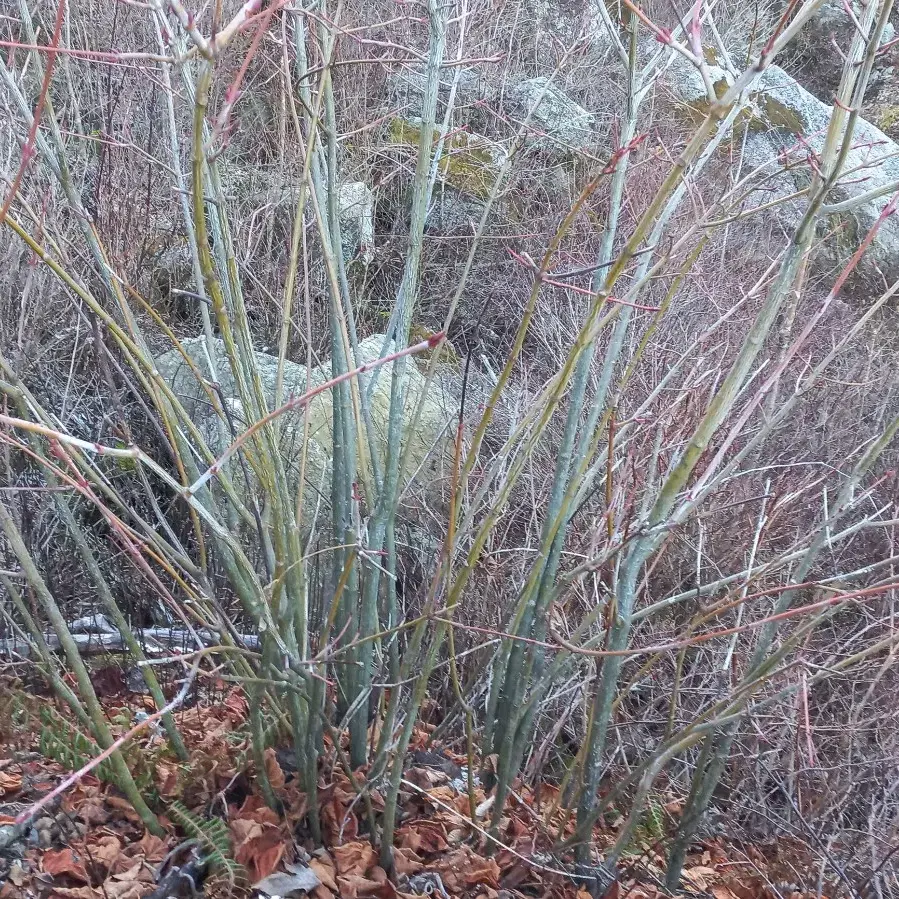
(213, 836)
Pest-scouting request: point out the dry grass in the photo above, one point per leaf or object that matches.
(795, 766)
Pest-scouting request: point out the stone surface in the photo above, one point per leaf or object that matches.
(562, 124)
(427, 446)
(357, 220)
(452, 212)
(783, 117)
(172, 269)
(819, 47)
(406, 89)
(469, 162)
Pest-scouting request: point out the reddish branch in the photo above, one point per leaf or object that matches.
(28, 149)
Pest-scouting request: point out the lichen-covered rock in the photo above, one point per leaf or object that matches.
(427, 445)
(406, 90)
(357, 220)
(782, 116)
(170, 269)
(451, 212)
(689, 87)
(256, 186)
(872, 163)
(469, 162)
(562, 124)
(817, 53)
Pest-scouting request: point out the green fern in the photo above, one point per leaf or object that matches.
(61, 741)
(213, 836)
(65, 744)
(272, 734)
(650, 831)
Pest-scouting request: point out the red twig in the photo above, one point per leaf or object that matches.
(232, 95)
(680, 644)
(112, 56)
(527, 262)
(28, 149)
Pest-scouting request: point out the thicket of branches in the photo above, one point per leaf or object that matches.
(654, 552)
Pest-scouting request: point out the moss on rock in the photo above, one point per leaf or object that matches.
(469, 162)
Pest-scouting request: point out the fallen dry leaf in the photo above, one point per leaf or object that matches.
(16, 874)
(699, 876)
(355, 858)
(337, 821)
(236, 704)
(463, 868)
(64, 862)
(260, 838)
(126, 889)
(105, 851)
(10, 782)
(720, 892)
(296, 879)
(353, 886)
(137, 872)
(152, 847)
(166, 779)
(273, 770)
(74, 893)
(93, 810)
(124, 808)
(326, 873)
(405, 861)
(423, 836)
(261, 854)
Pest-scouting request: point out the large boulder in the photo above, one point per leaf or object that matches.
(357, 220)
(452, 212)
(558, 124)
(817, 53)
(259, 188)
(427, 445)
(783, 122)
(406, 90)
(469, 162)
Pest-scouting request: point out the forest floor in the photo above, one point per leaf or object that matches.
(221, 839)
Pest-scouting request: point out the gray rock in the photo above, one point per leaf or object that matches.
(452, 212)
(428, 447)
(834, 21)
(469, 161)
(782, 115)
(687, 83)
(357, 220)
(255, 186)
(406, 90)
(872, 163)
(818, 49)
(562, 124)
(172, 270)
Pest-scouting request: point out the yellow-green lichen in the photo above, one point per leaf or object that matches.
(446, 352)
(778, 115)
(888, 118)
(469, 162)
(764, 113)
(697, 110)
(844, 232)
